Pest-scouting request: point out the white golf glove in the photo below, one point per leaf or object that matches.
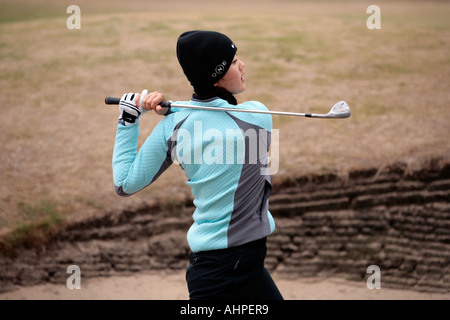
(129, 112)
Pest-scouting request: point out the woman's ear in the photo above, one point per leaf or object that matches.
(219, 83)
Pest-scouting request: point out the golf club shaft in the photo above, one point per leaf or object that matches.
(112, 100)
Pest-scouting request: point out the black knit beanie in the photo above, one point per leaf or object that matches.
(205, 57)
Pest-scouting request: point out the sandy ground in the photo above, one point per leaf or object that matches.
(164, 286)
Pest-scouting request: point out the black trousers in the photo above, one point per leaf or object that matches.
(236, 273)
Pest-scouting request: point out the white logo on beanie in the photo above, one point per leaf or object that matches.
(219, 69)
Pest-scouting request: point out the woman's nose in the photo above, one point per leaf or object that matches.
(242, 66)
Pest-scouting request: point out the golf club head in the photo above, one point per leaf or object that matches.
(339, 110)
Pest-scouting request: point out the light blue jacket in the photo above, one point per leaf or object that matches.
(225, 157)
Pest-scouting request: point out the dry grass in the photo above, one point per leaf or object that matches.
(57, 137)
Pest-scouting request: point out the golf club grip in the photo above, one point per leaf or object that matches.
(114, 100)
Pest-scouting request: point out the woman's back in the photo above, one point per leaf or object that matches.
(224, 156)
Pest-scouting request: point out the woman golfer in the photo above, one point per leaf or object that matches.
(225, 157)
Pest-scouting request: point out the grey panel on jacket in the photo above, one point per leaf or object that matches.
(251, 199)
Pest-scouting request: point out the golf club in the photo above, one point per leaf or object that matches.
(340, 110)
